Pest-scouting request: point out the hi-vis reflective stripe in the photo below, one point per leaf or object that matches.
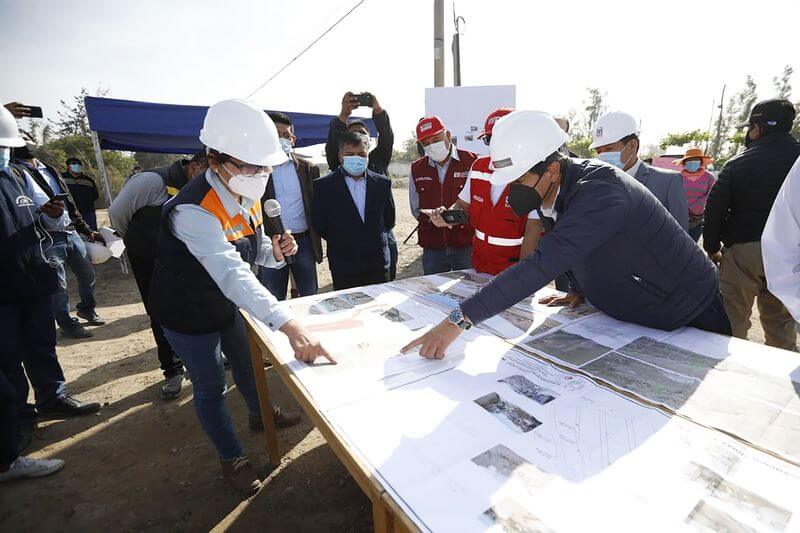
(497, 241)
(172, 191)
(478, 175)
(234, 227)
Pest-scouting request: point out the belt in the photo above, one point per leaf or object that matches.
(497, 241)
(301, 235)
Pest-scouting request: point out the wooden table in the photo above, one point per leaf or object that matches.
(387, 515)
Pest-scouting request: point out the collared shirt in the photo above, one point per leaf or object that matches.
(40, 198)
(202, 234)
(635, 168)
(441, 170)
(290, 196)
(358, 191)
(141, 190)
(550, 212)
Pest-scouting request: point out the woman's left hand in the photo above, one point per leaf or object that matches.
(283, 245)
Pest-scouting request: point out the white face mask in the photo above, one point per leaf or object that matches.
(286, 144)
(251, 187)
(437, 151)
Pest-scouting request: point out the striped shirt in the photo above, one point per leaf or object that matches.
(697, 187)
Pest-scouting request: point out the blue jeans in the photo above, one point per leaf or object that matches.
(304, 269)
(68, 249)
(696, 232)
(202, 357)
(28, 337)
(446, 259)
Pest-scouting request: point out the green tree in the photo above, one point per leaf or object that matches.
(148, 160)
(695, 137)
(727, 143)
(783, 84)
(594, 105)
(409, 151)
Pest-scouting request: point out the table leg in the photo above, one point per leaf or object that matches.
(263, 399)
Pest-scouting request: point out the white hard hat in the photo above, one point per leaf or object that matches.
(612, 127)
(9, 130)
(521, 140)
(98, 253)
(242, 130)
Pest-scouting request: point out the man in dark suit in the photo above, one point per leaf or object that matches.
(292, 185)
(353, 210)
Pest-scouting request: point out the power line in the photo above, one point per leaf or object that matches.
(295, 58)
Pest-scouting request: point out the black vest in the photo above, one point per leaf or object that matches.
(24, 273)
(140, 239)
(183, 297)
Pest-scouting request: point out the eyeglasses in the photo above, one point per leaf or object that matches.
(486, 139)
(247, 170)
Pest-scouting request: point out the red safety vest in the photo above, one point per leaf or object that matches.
(498, 230)
(432, 195)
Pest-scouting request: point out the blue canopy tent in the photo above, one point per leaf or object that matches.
(172, 129)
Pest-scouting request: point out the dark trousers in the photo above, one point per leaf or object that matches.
(304, 270)
(142, 265)
(713, 318)
(562, 283)
(8, 422)
(349, 280)
(393, 254)
(90, 217)
(28, 336)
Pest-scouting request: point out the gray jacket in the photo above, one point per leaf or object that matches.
(667, 186)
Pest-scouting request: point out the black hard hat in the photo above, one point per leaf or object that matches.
(775, 112)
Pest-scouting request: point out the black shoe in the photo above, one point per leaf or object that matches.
(67, 406)
(25, 433)
(76, 331)
(91, 317)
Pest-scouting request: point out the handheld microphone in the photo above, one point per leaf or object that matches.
(273, 211)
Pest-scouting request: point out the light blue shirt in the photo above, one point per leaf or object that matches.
(52, 181)
(204, 237)
(441, 171)
(40, 198)
(287, 192)
(358, 191)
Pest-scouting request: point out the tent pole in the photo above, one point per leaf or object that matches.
(101, 166)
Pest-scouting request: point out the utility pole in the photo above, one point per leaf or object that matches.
(457, 48)
(710, 124)
(719, 124)
(438, 43)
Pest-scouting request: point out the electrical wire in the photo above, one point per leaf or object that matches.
(315, 41)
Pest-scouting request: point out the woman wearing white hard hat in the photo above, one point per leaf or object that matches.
(621, 249)
(211, 236)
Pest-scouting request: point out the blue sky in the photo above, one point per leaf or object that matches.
(662, 61)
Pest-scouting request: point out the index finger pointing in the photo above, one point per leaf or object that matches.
(413, 344)
(324, 353)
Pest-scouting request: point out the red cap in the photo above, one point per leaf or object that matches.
(492, 118)
(428, 127)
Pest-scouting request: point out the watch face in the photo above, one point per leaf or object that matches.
(456, 316)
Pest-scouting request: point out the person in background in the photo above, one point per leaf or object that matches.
(135, 170)
(292, 185)
(502, 237)
(67, 248)
(211, 236)
(353, 211)
(379, 158)
(136, 216)
(736, 212)
(623, 250)
(615, 137)
(83, 190)
(697, 182)
(436, 180)
(780, 244)
(27, 328)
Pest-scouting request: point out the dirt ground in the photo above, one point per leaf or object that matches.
(143, 464)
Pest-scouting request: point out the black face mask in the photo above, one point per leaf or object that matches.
(25, 152)
(747, 140)
(524, 199)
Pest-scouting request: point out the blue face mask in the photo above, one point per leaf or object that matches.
(5, 157)
(355, 165)
(612, 158)
(692, 166)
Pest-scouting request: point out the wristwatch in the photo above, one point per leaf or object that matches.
(456, 317)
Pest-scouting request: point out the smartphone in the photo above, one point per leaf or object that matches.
(34, 111)
(455, 216)
(60, 197)
(364, 99)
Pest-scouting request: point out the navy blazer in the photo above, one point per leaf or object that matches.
(354, 246)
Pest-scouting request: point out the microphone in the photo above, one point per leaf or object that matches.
(273, 211)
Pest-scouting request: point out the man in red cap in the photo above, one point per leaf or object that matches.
(501, 237)
(436, 180)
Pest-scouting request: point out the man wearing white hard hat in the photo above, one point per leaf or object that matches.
(615, 137)
(621, 248)
(211, 236)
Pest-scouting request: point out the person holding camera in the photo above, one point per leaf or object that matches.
(379, 157)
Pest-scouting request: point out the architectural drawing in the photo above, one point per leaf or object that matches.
(568, 347)
(523, 386)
